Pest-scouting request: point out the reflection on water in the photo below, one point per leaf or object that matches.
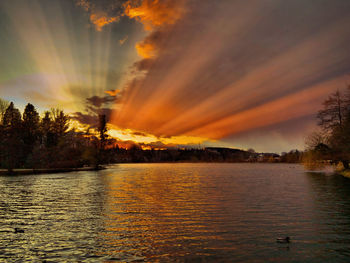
(176, 212)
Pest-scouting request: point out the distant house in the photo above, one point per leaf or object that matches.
(268, 157)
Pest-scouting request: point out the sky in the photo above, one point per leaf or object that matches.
(186, 73)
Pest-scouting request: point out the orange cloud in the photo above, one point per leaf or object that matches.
(101, 19)
(112, 93)
(146, 49)
(151, 13)
(155, 13)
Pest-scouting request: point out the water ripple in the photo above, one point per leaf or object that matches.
(176, 212)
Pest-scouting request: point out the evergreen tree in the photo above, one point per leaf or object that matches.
(30, 125)
(102, 130)
(12, 117)
(3, 106)
(46, 130)
(12, 126)
(60, 124)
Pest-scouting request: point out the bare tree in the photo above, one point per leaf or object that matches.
(314, 139)
(334, 111)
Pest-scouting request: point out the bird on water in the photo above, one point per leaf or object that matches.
(283, 240)
(17, 230)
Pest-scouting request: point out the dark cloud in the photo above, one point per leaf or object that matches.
(94, 106)
(91, 118)
(139, 133)
(144, 64)
(97, 101)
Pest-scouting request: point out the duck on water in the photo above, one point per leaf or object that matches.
(283, 240)
(18, 230)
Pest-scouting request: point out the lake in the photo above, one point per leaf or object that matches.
(176, 212)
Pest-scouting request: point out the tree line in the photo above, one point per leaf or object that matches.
(332, 143)
(30, 141)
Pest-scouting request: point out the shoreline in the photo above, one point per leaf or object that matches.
(17, 172)
(345, 173)
(47, 171)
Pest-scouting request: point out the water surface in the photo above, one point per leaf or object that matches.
(176, 212)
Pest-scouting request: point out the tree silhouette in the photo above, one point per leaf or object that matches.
(334, 111)
(30, 126)
(12, 126)
(32, 142)
(3, 106)
(46, 130)
(339, 142)
(12, 117)
(60, 125)
(334, 143)
(102, 130)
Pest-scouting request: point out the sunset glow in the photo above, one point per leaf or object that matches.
(177, 73)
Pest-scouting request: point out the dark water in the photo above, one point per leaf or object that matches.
(176, 212)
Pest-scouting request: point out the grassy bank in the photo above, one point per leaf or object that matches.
(345, 173)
